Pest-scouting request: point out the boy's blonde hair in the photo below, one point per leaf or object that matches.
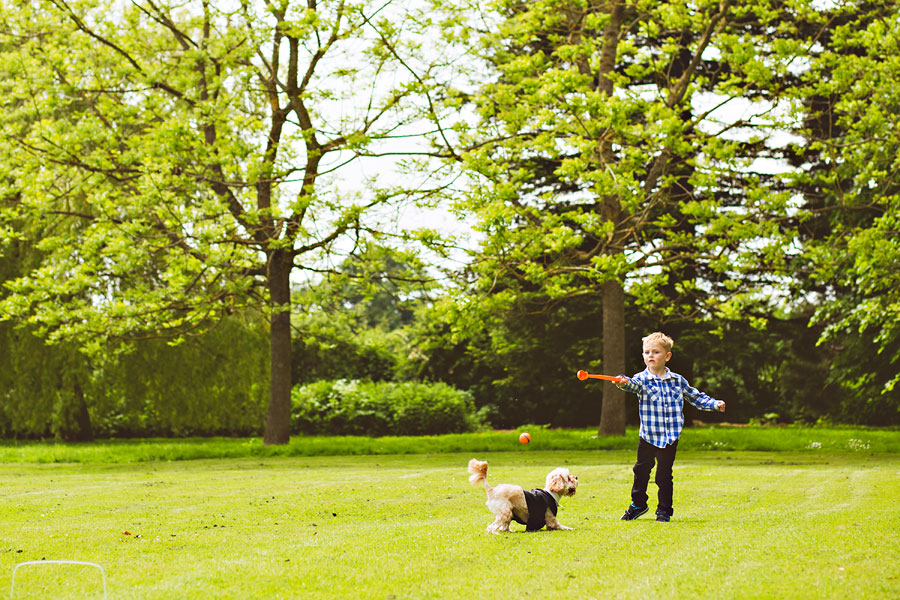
(657, 337)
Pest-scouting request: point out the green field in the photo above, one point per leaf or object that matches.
(748, 524)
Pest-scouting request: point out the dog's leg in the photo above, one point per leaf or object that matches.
(495, 526)
(553, 523)
(503, 513)
(499, 525)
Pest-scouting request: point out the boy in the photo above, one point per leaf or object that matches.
(661, 394)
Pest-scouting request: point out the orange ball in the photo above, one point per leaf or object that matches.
(525, 438)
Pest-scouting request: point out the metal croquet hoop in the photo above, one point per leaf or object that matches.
(12, 589)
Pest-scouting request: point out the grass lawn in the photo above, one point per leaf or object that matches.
(747, 524)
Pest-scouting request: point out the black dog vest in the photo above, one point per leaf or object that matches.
(538, 501)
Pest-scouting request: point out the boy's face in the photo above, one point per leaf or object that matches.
(656, 357)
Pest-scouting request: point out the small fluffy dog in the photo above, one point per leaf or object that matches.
(534, 509)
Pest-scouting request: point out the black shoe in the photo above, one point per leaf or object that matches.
(663, 517)
(634, 512)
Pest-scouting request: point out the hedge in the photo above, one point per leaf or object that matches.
(381, 408)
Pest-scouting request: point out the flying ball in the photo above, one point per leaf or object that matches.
(525, 438)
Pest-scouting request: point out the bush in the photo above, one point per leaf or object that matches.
(381, 408)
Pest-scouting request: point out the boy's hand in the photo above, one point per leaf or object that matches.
(720, 406)
(620, 380)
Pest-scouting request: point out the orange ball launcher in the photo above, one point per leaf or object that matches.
(582, 375)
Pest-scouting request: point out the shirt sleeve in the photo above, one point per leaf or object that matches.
(630, 385)
(696, 397)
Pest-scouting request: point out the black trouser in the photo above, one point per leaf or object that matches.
(646, 456)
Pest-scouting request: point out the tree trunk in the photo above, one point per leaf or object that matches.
(84, 432)
(612, 414)
(278, 421)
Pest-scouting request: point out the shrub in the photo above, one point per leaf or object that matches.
(381, 408)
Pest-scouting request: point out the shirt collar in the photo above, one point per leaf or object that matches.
(555, 497)
(668, 374)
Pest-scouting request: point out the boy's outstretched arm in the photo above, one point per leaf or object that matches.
(701, 400)
(624, 383)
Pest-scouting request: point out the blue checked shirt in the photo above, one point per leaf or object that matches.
(661, 404)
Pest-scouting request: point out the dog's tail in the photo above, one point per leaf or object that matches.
(478, 470)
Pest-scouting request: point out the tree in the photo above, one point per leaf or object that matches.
(181, 161)
(353, 328)
(42, 390)
(607, 163)
(850, 222)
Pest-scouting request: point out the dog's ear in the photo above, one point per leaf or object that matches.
(557, 480)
